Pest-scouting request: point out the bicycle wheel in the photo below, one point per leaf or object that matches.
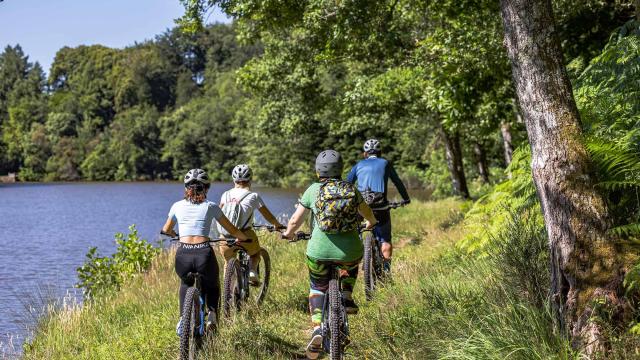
(368, 265)
(190, 335)
(336, 321)
(264, 273)
(231, 287)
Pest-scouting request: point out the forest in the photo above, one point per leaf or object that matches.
(529, 108)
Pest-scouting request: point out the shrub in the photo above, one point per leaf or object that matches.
(100, 275)
(521, 257)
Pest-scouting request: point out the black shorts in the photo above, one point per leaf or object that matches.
(382, 230)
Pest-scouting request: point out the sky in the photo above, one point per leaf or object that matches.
(42, 27)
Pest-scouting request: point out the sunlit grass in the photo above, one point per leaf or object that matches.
(440, 305)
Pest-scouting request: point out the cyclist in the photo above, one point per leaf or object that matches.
(343, 247)
(239, 204)
(372, 175)
(194, 216)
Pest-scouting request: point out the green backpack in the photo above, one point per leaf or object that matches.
(337, 207)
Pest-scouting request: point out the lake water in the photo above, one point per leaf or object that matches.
(46, 230)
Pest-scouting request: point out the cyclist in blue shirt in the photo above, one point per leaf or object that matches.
(372, 175)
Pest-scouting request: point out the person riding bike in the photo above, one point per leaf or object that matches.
(372, 175)
(239, 204)
(334, 236)
(194, 216)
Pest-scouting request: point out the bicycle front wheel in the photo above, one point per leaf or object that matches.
(368, 265)
(336, 321)
(231, 287)
(190, 333)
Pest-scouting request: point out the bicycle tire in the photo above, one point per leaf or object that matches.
(262, 290)
(231, 287)
(336, 322)
(189, 334)
(368, 266)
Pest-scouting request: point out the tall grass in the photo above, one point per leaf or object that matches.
(441, 304)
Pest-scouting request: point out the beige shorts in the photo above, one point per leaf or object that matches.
(252, 248)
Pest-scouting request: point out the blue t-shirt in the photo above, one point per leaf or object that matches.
(195, 219)
(373, 173)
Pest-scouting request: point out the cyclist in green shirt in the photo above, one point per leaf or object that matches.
(343, 248)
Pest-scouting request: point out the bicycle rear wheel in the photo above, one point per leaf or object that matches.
(231, 287)
(368, 265)
(336, 321)
(190, 335)
(264, 274)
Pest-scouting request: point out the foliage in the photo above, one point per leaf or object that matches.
(101, 275)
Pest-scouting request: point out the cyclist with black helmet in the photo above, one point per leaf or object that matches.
(335, 205)
(239, 204)
(194, 216)
(372, 175)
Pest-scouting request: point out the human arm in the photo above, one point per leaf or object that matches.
(366, 212)
(352, 177)
(231, 229)
(393, 175)
(168, 227)
(296, 220)
(266, 213)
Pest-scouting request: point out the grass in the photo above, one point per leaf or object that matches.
(441, 304)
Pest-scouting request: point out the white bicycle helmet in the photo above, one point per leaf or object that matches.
(241, 172)
(196, 175)
(372, 146)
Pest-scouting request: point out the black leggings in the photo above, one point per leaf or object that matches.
(198, 258)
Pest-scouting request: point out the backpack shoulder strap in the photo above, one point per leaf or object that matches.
(244, 196)
(250, 216)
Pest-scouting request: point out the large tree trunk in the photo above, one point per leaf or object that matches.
(507, 141)
(453, 154)
(481, 161)
(585, 264)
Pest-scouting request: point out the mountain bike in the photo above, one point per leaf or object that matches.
(335, 323)
(194, 317)
(236, 286)
(373, 261)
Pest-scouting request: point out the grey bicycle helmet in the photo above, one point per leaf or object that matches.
(241, 172)
(196, 175)
(329, 164)
(371, 146)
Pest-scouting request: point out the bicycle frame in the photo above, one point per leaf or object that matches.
(197, 284)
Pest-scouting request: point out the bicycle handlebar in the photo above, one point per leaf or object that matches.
(397, 204)
(269, 228)
(172, 238)
(300, 235)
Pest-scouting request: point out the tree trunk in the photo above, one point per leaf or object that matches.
(507, 141)
(481, 161)
(585, 265)
(453, 154)
(636, 4)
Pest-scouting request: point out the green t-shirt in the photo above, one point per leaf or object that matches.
(345, 247)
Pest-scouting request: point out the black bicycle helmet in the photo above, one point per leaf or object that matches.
(329, 164)
(196, 176)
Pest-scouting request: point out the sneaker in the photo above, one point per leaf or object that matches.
(350, 306)
(179, 327)
(253, 279)
(386, 267)
(315, 345)
(211, 325)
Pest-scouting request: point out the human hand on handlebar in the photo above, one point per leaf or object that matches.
(369, 225)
